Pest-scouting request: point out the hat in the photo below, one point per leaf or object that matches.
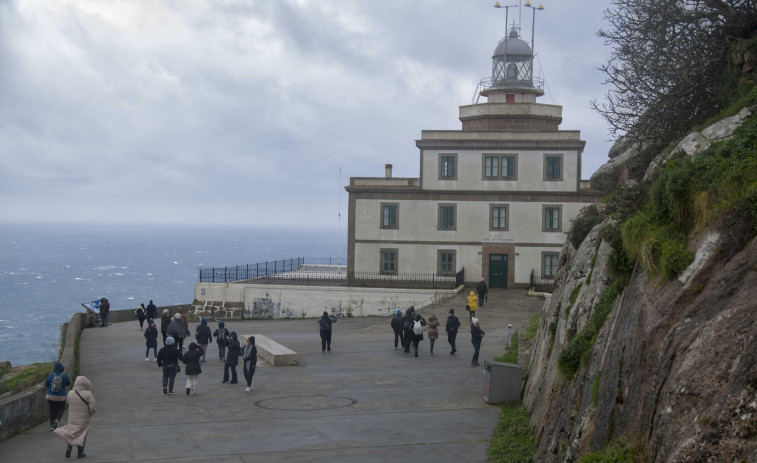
(165, 310)
(452, 311)
(169, 341)
(58, 367)
(177, 316)
(474, 320)
(399, 312)
(203, 321)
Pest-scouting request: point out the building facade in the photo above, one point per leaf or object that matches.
(495, 198)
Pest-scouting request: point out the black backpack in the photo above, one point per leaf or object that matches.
(221, 335)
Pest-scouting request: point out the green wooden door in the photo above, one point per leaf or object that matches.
(498, 270)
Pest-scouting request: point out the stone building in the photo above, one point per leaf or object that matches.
(495, 198)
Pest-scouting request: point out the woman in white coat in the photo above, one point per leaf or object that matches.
(81, 407)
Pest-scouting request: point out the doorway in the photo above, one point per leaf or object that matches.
(498, 270)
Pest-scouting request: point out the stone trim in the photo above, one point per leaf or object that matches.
(439, 261)
(499, 248)
(457, 243)
(502, 145)
(544, 254)
(351, 211)
(397, 218)
(583, 196)
(439, 217)
(562, 167)
(544, 228)
(396, 261)
(507, 217)
(439, 167)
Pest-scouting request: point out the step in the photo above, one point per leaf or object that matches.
(271, 351)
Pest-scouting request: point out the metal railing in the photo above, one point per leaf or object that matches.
(487, 82)
(542, 283)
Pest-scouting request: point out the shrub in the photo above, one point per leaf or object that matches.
(583, 224)
(513, 441)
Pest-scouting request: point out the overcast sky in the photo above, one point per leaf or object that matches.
(245, 111)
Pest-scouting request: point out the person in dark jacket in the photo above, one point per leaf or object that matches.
(232, 358)
(56, 384)
(140, 315)
(453, 323)
(407, 328)
(324, 324)
(397, 327)
(193, 369)
(250, 359)
(151, 341)
(151, 311)
(417, 337)
(178, 331)
(104, 311)
(165, 320)
(481, 289)
(221, 335)
(203, 335)
(476, 335)
(168, 359)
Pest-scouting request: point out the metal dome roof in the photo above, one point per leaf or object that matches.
(512, 46)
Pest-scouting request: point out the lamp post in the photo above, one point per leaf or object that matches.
(533, 20)
(507, 8)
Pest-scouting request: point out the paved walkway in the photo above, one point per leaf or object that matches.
(364, 401)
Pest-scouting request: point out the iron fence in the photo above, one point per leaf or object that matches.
(540, 283)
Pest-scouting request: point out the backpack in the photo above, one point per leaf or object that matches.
(417, 328)
(324, 323)
(56, 385)
(221, 335)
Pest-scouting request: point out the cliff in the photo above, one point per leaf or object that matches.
(666, 365)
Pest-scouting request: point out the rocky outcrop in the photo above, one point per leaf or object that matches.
(673, 367)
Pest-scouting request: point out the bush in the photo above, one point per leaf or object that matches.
(513, 441)
(583, 224)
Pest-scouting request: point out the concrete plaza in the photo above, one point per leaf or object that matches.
(364, 401)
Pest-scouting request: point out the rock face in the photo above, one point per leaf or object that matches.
(674, 367)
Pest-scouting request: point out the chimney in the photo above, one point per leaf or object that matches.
(388, 168)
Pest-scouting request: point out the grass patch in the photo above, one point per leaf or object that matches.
(594, 393)
(513, 441)
(511, 353)
(572, 298)
(28, 377)
(76, 356)
(532, 327)
(616, 452)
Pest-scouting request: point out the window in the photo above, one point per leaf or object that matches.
(389, 215)
(491, 166)
(500, 167)
(552, 218)
(445, 262)
(552, 167)
(446, 217)
(389, 261)
(508, 166)
(549, 264)
(498, 215)
(447, 169)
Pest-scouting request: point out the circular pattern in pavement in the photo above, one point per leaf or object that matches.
(305, 403)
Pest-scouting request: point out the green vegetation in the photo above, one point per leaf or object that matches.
(572, 298)
(511, 353)
(594, 393)
(616, 452)
(28, 377)
(76, 356)
(513, 441)
(533, 326)
(583, 224)
(578, 349)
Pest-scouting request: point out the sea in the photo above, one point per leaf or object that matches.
(48, 270)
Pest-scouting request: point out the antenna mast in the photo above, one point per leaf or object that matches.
(339, 226)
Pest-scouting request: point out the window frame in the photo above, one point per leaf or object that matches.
(500, 164)
(439, 217)
(507, 217)
(544, 256)
(545, 171)
(382, 261)
(439, 261)
(498, 169)
(396, 216)
(452, 156)
(544, 208)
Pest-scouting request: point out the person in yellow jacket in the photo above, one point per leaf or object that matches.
(472, 304)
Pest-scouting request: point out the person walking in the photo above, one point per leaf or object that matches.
(407, 328)
(151, 341)
(472, 305)
(184, 318)
(165, 320)
(221, 335)
(193, 369)
(232, 358)
(433, 330)
(140, 314)
(168, 360)
(476, 335)
(203, 336)
(417, 336)
(151, 311)
(250, 359)
(178, 331)
(397, 327)
(81, 407)
(324, 324)
(104, 311)
(453, 323)
(56, 384)
(482, 290)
